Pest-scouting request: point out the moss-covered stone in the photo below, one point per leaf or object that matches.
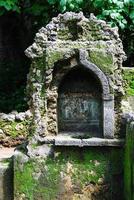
(53, 56)
(129, 78)
(14, 129)
(73, 173)
(14, 133)
(64, 34)
(102, 59)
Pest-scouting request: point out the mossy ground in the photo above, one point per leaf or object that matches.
(70, 171)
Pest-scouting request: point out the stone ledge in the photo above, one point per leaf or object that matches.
(69, 141)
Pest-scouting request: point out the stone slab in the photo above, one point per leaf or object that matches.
(102, 142)
(69, 141)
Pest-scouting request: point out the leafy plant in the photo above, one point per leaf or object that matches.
(7, 5)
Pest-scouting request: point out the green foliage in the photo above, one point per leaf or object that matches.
(9, 5)
(117, 12)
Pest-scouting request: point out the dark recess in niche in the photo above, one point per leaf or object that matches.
(80, 104)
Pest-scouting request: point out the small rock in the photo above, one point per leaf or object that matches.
(96, 163)
(8, 117)
(100, 181)
(20, 116)
(1, 114)
(2, 136)
(50, 26)
(92, 173)
(14, 112)
(19, 127)
(1, 131)
(7, 127)
(28, 114)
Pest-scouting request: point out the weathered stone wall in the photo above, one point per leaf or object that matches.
(57, 47)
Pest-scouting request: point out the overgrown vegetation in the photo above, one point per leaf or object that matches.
(62, 172)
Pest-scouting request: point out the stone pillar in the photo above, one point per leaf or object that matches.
(6, 180)
(108, 117)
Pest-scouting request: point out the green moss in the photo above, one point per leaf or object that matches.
(93, 166)
(44, 178)
(24, 181)
(14, 129)
(39, 63)
(88, 31)
(129, 78)
(129, 164)
(83, 31)
(34, 145)
(116, 159)
(37, 180)
(64, 34)
(54, 56)
(100, 45)
(103, 60)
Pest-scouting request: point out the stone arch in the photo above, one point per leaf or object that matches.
(94, 69)
(82, 60)
(108, 100)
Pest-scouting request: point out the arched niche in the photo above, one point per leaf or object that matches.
(80, 104)
(64, 82)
